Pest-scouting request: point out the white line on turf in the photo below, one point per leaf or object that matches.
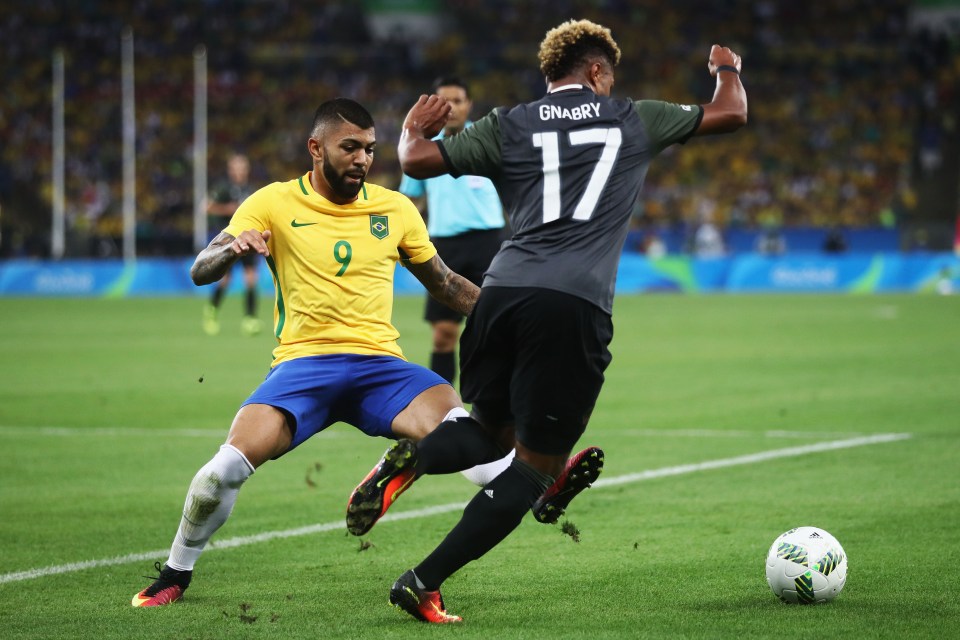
(110, 431)
(738, 433)
(220, 433)
(753, 458)
(123, 431)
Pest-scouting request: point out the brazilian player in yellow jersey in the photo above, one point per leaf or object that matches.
(332, 243)
(333, 264)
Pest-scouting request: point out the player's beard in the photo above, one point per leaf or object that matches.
(337, 182)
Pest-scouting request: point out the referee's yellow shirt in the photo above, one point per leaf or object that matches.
(333, 265)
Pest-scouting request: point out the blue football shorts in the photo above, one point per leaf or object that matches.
(364, 391)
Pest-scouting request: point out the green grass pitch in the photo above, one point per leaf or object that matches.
(108, 408)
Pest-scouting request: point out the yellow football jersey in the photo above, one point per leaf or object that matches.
(333, 265)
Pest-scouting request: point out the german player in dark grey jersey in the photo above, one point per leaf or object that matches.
(569, 168)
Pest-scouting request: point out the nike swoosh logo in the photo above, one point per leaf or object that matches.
(301, 224)
(402, 488)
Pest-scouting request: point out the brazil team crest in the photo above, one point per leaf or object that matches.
(379, 227)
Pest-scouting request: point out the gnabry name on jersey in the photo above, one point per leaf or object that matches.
(551, 111)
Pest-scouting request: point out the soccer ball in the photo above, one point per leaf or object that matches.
(806, 565)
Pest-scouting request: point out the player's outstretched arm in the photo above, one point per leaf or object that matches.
(445, 285)
(419, 156)
(214, 261)
(728, 110)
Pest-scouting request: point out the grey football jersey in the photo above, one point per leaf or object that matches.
(568, 168)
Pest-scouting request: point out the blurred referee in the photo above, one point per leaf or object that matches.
(465, 220)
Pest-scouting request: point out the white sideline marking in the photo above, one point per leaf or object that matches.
(221, 433)
(751, 458)
(663, 472)
(111, 431)
(735, 433)
(124, 431)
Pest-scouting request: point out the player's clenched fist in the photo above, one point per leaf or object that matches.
(428, 116)
(720, 56)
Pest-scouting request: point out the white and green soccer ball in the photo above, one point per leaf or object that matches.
(806, 565)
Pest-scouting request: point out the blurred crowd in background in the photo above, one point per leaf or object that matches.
(853, 109)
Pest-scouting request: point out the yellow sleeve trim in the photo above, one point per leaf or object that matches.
(421, 257)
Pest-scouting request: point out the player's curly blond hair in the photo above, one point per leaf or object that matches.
(567, 46)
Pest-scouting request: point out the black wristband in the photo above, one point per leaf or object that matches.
(728, 67)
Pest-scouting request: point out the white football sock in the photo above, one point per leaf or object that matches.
(456, 412)
(210, 500)
(481, 474)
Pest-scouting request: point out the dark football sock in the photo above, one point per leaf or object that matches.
(456, 445)
(444, 365)
(489, 518)
(251, 302)
(217, 297)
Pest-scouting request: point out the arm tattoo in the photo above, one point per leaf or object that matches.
(214, 261)
(448, 287)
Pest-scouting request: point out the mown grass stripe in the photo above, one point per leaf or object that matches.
(32, 574)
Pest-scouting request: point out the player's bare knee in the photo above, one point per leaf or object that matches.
(259, 433)
(425, 412)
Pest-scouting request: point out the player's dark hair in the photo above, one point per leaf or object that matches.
(450, 81)
(339, 110)
(566, 47)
